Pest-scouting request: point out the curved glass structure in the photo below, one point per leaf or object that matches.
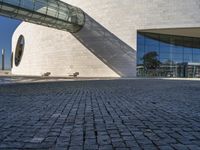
(163, 55)
(19, 50)
(50, 13)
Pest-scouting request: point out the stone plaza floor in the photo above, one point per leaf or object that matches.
(113, 114)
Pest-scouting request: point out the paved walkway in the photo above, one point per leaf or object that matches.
(105, 115)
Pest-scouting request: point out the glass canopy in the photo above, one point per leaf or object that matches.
(50, 13)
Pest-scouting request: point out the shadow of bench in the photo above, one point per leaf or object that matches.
(46, 74)
(75, 75)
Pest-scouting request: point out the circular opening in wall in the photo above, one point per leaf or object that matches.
(19, 50)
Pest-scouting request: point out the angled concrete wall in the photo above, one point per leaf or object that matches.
(106, 46)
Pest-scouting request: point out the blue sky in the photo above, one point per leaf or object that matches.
(7, 27)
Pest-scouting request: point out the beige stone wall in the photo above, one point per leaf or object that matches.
(50, 50)
(58, 52)
(125, 17)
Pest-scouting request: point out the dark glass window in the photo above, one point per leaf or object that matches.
(163, 55)
(11, 60)
(19, 50)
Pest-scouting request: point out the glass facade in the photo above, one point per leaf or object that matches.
(50, 13)
(160, 55)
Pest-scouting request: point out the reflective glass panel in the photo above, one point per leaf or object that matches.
(50, 13)
(161, 55)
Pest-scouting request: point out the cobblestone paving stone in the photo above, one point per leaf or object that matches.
(105, 115)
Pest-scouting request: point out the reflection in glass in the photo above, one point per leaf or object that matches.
(50, 13)
(175, 56)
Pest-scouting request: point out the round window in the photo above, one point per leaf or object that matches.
(19, 50)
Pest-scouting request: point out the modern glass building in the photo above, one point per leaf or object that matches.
(105, 38)
(161, 55)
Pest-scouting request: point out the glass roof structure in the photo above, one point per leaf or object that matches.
(50, 13)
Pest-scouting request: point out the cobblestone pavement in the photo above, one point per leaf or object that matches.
(105, 115)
